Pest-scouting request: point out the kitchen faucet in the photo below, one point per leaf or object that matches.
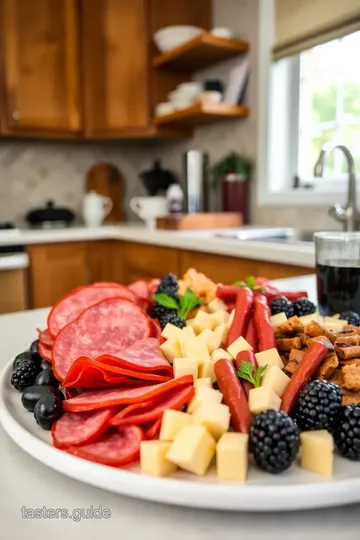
(348, 215)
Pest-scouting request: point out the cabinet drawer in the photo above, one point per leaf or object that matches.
(147, 261)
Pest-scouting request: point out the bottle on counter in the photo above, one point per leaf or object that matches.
(196, 182)
(175, 197)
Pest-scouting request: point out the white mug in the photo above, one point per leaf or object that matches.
(149, 209)
(95, 208)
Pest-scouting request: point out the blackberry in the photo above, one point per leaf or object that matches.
(351, 317)
(274, 441)
(159, 311)
(169, 285)
(34, 347)
(173, 318)
(25, 357)
(304, 307)
(318, 406)
(347, 432)
(282, 304)
(25, 375)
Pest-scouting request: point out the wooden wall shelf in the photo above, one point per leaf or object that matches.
(199, 53)
(202, 114)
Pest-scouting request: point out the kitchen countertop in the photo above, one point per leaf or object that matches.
(300, 254)
(26, 483)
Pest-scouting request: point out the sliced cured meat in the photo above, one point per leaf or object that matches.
(144, 355)
(74, 429)
(175, 399)
(70, 393)
(70, 307)
(106, 284)
(116, 447)
(152, 429)
(99, 399)
(45, 352)
(156, 332)
(153, 285)
(108, 327)
(87, 373)
(46, 338)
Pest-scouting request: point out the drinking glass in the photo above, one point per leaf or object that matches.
(338, 271)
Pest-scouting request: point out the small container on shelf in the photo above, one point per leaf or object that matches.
(175, 197)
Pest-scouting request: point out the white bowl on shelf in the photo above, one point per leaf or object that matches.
(189, 89)
(171, 37)
(222, 32)
(164, 108)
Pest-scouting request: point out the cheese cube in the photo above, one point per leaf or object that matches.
(239, 345)
(206, 370)
(204, 381)
(335, 318)
(219, 354)
(204, 394)
(270, 357)
(263, 398)
(190, 322)
(202, 321)
(171, 349)
(335, 326)
(216, 305)
(278, 319)
(232, 457)
(172, 422)
(231, 318)
(222, 331)
(214, 416)
(316, 453)
(306, 319)
(171, 332)
(211, 339)
(153, 458)
(185, 366)
(220, 317)
(196, 349)
(192, 449)
(276, 379)
(187, 334)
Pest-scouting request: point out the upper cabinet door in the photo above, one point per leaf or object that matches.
(40, 42)
(115, 59)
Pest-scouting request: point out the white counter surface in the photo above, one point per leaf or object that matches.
(301, 254)
(26, 483)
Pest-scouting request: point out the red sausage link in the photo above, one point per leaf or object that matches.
(263, 326)
(242, 315)
(234, 395)
(227, 293)
(251, 335)
(246, 356)
(307, 367)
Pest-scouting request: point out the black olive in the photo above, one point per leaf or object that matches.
(33, 394)
(48, 409)
(47, 377)
(45, 364)
(27, 355)
(34, 347)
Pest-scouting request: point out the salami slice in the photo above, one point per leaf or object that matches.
(99, 399)
(87, 373)
(45, 337)
(152, 429)
(108, 327)
(69, 308)
(74, 429)
(116, 447)
(175, 399)
(45, 352)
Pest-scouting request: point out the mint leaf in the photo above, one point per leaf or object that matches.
(166, 301)
(251, 282)
(188, 302)
(246, 372)
(258, 375)
(240, 284)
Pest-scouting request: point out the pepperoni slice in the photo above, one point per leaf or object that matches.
(69, 308)
(45, 337)
(152, 429)
(45, 352)
(116, 447)
(74, 429)
(108, 327)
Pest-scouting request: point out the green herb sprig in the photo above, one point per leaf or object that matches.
(246, 372)
(250, 282)
(186, 304)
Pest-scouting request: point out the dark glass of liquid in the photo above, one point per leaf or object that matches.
(338, 272)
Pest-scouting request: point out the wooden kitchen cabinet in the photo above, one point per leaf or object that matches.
(143, 261)
(41, 94)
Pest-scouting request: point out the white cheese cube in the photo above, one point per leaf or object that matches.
(216, 305)
(276, 379)
(202, 321)
(335, 318)
(263, 398)
(172, 422)
(219, 354)
(270, 357)
(232, 457)
(220, 317)
(278, 319)
(335, 326)
(153, 458)
(171, 349)
(171, 332)
(211, 339)
(185, 366)
(239, 345)
(222, 331)
(192, 449)
(204, 394)
(317, 452)
(187, 334)
(206, 370)
(306, 319)
(231, 318)
(204, 381)
(196, 349)
(190, 322)
(214, 416)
